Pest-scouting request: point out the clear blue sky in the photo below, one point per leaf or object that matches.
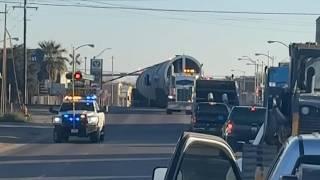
(140, 38)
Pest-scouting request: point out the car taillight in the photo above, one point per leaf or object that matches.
(229, 127)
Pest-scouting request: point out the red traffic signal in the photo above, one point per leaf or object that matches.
(77, 76)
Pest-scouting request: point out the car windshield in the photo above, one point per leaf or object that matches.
(247, 115)
(204, 163)
(146, 65)
(212, 112)
(83, 106)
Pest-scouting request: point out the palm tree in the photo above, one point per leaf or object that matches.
(53, 58)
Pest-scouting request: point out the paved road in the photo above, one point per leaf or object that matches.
(135, 144)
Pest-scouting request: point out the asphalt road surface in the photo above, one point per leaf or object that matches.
(136, 141)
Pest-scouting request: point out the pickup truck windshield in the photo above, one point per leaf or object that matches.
(212, 112)
(246, 115)
(85, 106)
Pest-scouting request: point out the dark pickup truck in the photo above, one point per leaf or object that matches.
(209, 117)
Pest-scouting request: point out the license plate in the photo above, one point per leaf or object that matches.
(74, 130)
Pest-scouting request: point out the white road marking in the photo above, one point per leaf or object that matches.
(4, 147)
(79, 178)
(47, 161)
(9, 137)
(23, 126)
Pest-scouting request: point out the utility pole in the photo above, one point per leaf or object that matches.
(25, 53)
(4, 66)
(112, 81)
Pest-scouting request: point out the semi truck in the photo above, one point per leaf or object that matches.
(169, 84)
(181, 93)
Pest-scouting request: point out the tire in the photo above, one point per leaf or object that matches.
(102, 134)
(169, 111)
(95, 136)
(58, 135)
(188, 112)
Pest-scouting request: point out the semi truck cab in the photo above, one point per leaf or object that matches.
(181, 94)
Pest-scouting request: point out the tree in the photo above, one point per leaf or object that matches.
(54, 61)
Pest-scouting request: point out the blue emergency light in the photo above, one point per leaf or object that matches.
(93, 97)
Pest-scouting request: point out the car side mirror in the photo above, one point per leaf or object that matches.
(289, 177)
(159, 173)
(104, 109)
(53, 111)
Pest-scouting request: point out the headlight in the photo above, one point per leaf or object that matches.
(93, 120)
(305, 110)
(57, 120)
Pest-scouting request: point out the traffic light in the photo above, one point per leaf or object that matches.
(69, 75)
(78, 76)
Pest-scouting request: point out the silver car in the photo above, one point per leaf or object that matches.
(302, 149)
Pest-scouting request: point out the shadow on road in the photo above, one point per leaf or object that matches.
(82, 166)
(33, 133)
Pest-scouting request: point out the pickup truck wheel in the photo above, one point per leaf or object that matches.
(95, 137)
(102, 134)
(57, 135)
(169, 111)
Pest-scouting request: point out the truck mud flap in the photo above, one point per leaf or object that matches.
(256, 161)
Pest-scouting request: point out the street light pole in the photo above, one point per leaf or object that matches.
(266, 55)
(4, 66)
(255, 63)
(73, 79)
(279, 42)
(73, 71)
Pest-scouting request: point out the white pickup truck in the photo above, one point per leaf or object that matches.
(86, 119)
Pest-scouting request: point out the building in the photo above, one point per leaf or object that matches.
(246, 90)
(117, 94)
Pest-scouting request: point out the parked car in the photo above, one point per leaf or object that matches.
(209, 117)
(243, 125)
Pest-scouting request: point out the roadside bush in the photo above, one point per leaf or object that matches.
(13, 117)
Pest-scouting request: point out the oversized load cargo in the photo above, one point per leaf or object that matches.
(156, 82)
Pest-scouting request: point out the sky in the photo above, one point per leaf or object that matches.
(143, 38)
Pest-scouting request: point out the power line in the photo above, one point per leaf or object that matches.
(167, 10)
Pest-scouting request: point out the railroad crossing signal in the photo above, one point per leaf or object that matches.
(78, 76)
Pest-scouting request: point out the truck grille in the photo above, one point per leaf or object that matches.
(68, 120)
(310, 123)
(184, 94)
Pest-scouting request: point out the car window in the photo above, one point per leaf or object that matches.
(212, 108)
(85, 106)
(205, 164)
(213, 112)
(247, 115)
